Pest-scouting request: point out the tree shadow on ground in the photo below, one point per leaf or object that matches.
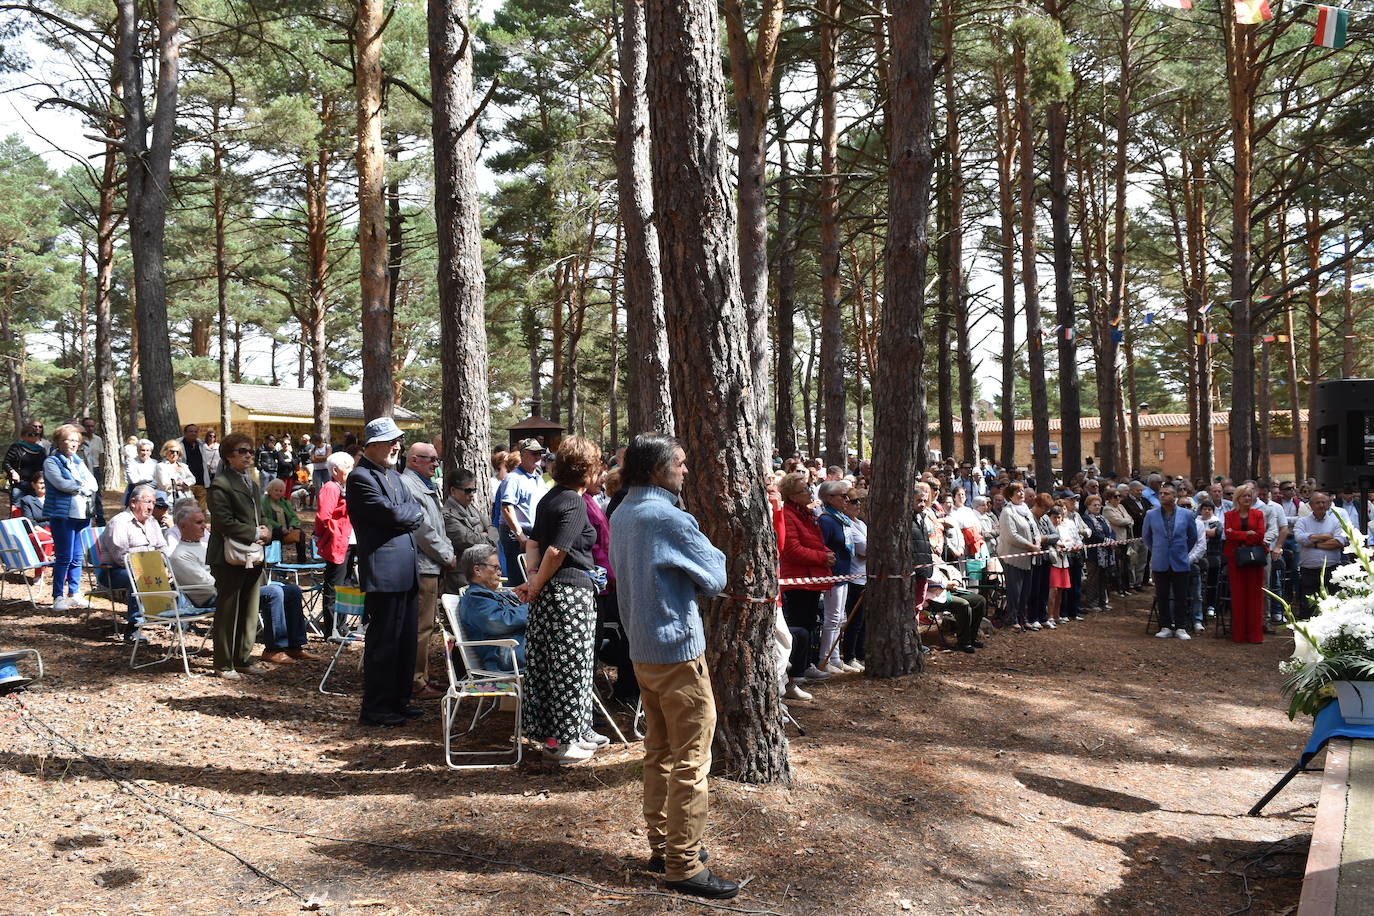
(1215, 875)
(1083, 794)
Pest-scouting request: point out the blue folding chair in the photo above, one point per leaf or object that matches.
(19, 554)
(91, 563)
(305, 576)
(346, 628)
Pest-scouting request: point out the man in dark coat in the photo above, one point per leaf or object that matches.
(384, 514)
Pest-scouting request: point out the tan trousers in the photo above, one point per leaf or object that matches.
(680, 722)
(429, 607)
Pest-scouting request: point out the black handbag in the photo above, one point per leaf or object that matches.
(1249, 556)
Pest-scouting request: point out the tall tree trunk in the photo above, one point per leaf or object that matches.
(395, 254)
(1347, 316)
(134, 423)
(1290, 346)
(1006, 160)
(148, 189)
(711, 385)
(751, 71)
(377, 320)
(613, 394)
(832, 321)
(317, 241)
(1070, 408)
(899, 414)
(954, 243)
(784, 375)
(1030, 283)
(1265, 416)
(946, 292)
(1314, 353)
(221, 275)
(650, 406)
(14, 357)
(82, 407)
(1240, 43)
(106, 227)
(462, 283)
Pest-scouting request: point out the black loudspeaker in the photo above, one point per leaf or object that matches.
(1344, 421)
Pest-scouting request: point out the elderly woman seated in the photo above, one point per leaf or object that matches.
(488, 611)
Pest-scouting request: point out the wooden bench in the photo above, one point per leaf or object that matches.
(1339, 880)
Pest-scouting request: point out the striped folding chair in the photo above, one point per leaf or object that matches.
(164, 606)
(488, 688)
(19, 554)
(346, 628)
(91, 563)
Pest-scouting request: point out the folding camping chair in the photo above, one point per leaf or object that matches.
(164, 606)
(487, 686)
(19, 554)
(312, 592)
(9, 661)
(91, 563)
(348, 610)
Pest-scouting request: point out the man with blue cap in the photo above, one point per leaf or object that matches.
(384, 515)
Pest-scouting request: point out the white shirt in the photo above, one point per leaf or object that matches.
(1310, 557)
(92, 451)
(858, 564)
(1274, 519)
(140, 471)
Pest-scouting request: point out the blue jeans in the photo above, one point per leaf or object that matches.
(66, 569)
(283, 624)
(1276, 581)
(1195, 591)
(117, 577)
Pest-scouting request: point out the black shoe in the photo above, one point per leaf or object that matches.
(968, 649)
(386, 720)
(657, 866)
(705, 884)
(412, 712)
(977, 644)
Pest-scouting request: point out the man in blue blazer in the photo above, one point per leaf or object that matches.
(384, 514)
(1170, 533)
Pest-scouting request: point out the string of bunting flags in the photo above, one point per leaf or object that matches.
(1332, 21)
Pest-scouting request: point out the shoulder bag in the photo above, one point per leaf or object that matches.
(1249, 556)
(245, 554)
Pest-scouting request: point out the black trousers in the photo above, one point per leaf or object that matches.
(1171, 591)
(852, 643)
(802, 608)
(613, 648)
(389, 650)
(1038, 595)
(510, 549)
(1308, 579)
(800, 658)
(1072, 598)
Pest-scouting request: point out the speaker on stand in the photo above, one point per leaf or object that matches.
(1344, 422)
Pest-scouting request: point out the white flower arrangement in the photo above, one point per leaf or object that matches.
(1337, 642)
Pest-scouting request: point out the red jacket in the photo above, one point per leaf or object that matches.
(332, 525)
(1253, 535)
(803, 552)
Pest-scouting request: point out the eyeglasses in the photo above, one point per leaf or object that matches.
(242, 450)
(432, 459)
(496, 566)
(467, 489)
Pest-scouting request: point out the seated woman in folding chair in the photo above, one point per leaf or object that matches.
(486, 611)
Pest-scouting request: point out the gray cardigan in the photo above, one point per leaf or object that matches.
(1016, 533)
(435, 553)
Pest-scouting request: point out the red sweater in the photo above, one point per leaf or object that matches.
(803, 551)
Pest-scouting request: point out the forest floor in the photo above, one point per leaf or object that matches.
(1089, 770)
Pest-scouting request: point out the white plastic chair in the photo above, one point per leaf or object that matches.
(487, 686)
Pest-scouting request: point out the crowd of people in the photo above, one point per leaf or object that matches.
(573, 545)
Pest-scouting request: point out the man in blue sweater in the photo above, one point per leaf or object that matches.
(662, 562)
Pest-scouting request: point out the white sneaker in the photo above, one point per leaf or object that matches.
(856, 666)
(568, 753)
(76, 601)
(1165, 633)
(1199, 627)
(1182, 633)
(794, 692)
(1033, 626)
(1051, 625)
(812, 673)
(61, 604)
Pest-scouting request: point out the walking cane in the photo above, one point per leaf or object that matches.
(844, 626)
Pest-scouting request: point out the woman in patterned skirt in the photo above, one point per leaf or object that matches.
(561, 592)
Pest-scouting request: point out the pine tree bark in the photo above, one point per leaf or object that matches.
(751, 71)
(317, 248)
(1070, 406)
(899, 413)
(1240, 43)
(1030, 283)
(221, 276)
(1006, 208)
(377, 318)
(946, 291)
(832, 321)
(784, 373)
(954, 242)
(458, 224)
(148, 189)
(106, 227)
(711, 385)
(649, 403)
